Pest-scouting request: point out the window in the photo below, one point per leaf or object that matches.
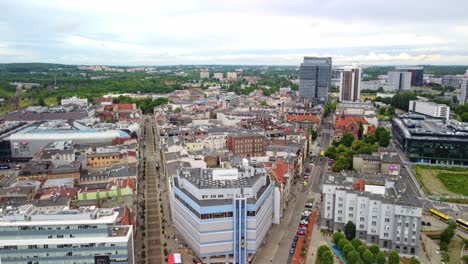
(413, 240)
(340, 211)
(351, 215)
(385, 234)
(220, 196)
(351, 208)
(363, 205)
(361, 219)
(398, 239)
(361, 226)
(387, 220)
(374, 223)
(340, 219)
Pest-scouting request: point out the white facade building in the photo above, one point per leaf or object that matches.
(74, 101)
(464, 91)
(430, 109)
(33, 235)
(223, 214)
(390, 222)
(452, 80)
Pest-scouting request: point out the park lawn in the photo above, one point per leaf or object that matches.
(50, 101)
(442, 180)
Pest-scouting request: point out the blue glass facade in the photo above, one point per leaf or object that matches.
(240, 231)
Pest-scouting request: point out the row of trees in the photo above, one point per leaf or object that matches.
(400, 100)
(342, 151)
(356, 252)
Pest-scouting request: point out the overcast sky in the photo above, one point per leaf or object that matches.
(160, 32)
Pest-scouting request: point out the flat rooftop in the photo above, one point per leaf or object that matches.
(417, 126)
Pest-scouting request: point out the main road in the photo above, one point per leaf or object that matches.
(278, 243)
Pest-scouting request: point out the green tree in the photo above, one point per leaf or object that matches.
(41, 101)
(391, 111)
(374, 249)
(353, 258)
(347, 139)
(356, 242)
(380, 258)
(313, 134)
(447, 235)
(342, 243)
(347, 249)
(327, 258)
(361, 249)
(393, 257)
(341, 163)
(350, 230)
(337, 236)
(383, 136)
(414, 261)
(322, 249)
(360, 131)
(331, 152)
(263, 103)
(367, 257)
(369, 139)
(382, 111)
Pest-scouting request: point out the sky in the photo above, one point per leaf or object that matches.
(167, 32)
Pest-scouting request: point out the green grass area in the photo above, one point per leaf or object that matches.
(50, 100)
(454, 250)
(443, 180)
(455, 182)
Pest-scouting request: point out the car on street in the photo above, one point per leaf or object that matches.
(304, 222)
(309, 205)
(306, 213)
(291, 252)
(301, 233)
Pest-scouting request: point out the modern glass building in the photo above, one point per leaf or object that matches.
(223, 214)
(432, 141)
(32, 236)
(314, 79)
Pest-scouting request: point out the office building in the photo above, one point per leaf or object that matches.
(431, 141)
(417, 74)
(204, 74)
(452, 80)
(350, 84)
(315, 78)
(336, 76)
(32, 234)
(401, 81)
(223, 214)
(382, 212)
(464, 91)
(429, 109)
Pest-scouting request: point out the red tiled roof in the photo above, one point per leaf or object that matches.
(124, 106)
(346, 121)
(303, 118)
(279, 171)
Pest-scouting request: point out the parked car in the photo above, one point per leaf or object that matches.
(300, 232)
(309, 205)
(306, 177)
(304, 222)
(296, 238)
(306, 213)
(291, 252)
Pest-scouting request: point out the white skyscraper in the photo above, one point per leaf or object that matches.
(350, 84)
(401, 81)
(464, 91)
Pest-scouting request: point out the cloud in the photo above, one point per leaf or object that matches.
(234, 32)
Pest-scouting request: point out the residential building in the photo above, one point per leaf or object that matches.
(464, 91)
(350, 84)
(452, 80)
(377, 163)
(315, 78)
(218, 75)
(34, 235)
(304, 121)
(223, 214)
(431, 141)
(417, 74)
(284, 90)
(74, 101)
(246, 144)
(204, 74)
(382, 212)
(401, 81)
(232, 75)
(430, 109)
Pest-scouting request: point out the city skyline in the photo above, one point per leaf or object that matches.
(245, 32)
